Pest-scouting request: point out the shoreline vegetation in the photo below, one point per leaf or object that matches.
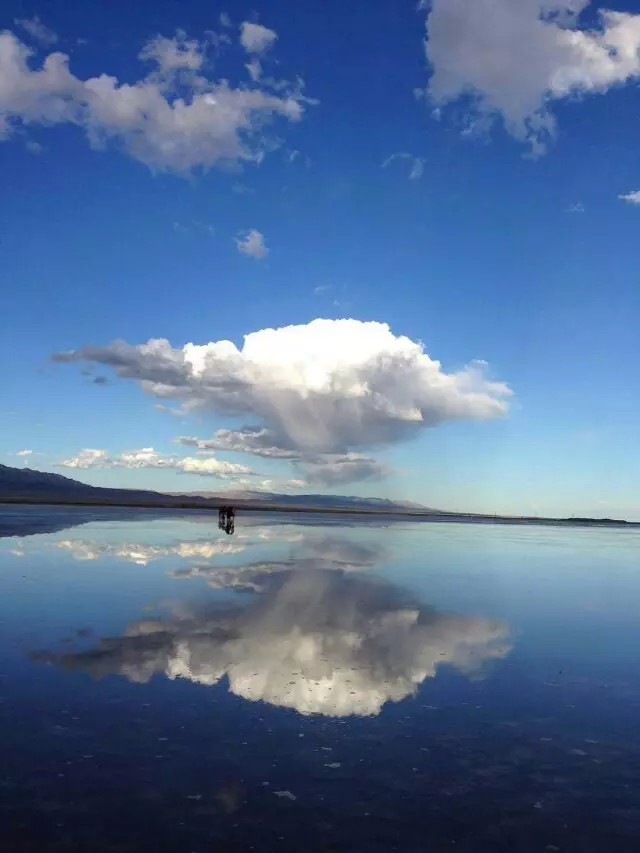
(213, 505)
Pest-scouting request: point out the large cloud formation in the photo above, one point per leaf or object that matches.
(328, 387)
(174, 118)
(316, 640)
(514, 57)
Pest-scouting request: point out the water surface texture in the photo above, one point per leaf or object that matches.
(315, 683)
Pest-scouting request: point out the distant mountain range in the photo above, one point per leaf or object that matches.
(18, 483)
(26, 484)
(307, 500)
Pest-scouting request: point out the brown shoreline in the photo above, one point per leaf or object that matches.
(212, 505)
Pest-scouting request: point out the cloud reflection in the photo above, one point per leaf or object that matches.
(33, 520)
(318, 640)
(335, 550)
(142, 554)
(312, 552)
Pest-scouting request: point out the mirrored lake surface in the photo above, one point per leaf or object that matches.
(316, 683)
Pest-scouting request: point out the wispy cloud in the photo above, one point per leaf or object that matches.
(256, 441)
(242, 189)
(34, 147)
(193, 227)
(37, 30)
(338, 468)
(417, 164)
(327, 469)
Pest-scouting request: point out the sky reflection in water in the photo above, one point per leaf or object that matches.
(454, 683)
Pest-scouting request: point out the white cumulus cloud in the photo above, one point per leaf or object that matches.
(632, 197)
(514, 58)
(24, 452)
(255, 38)
(170, 54)
(331, 386)
(174, 118)
(90, 457)
(147, 457)
(252, 243)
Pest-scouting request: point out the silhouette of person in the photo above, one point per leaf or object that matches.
(226, 519)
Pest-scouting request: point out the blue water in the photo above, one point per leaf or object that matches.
(316, 684)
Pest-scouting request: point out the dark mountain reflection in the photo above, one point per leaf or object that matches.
(19, 520)
(320, 640)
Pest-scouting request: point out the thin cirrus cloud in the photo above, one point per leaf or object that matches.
(38, 31)
(514, 59)
(147, 457)
(416, 163)
(174, 118)
(315, 393)
(252, 243)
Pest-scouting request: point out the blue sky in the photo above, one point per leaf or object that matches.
(499, 235)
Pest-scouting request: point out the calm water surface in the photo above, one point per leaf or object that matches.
(316, 684)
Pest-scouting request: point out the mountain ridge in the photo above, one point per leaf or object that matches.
(311, 499)
(26, 485)
(29, 483)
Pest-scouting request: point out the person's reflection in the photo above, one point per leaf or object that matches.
(321, 641)
(226, 519)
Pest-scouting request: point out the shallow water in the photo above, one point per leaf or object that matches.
(316, 683)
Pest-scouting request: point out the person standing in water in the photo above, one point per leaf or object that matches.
(226, 519)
